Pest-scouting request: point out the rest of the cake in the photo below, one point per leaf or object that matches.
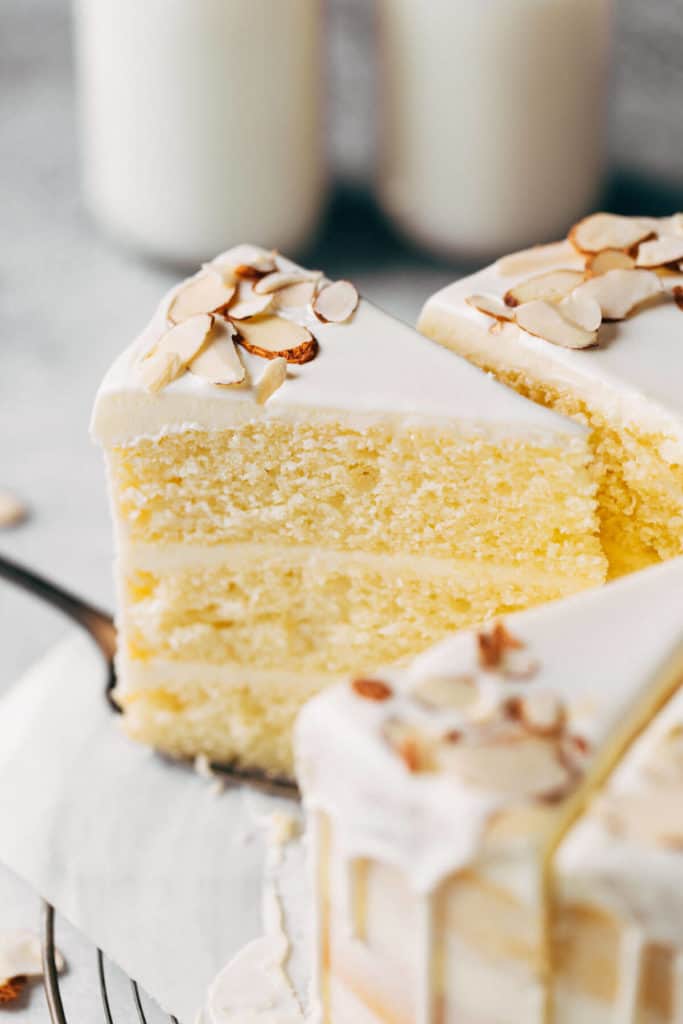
(592, 327)
(618, 918)
(303, 489)
(438, 794)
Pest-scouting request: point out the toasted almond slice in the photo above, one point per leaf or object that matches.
(262, 264)
(609, 259)
(208, 293)
(541, 258)
(453, 692)
(677, 223)
(283, 278)
(551, 286)
(372, 689)
(271, 336)
(618, 292)
(542, 713)
(660, 252)
(336, 303)
(246, 302)
(185, 339)
(678, 295)
(273, 376)
(545, 320)
(12, 988)
(295, 296)
(527, 765)
(219, 361)
(224, 271)
(608, 231)
(582, 310)
(20, 955)
(12, 510)
(490, 306)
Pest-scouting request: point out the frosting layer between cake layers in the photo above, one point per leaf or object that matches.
(627, 388)
(382, 496)
(438, 793)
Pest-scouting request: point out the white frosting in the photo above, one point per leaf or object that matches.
(372, 365)
(431, 824)
(635, 373)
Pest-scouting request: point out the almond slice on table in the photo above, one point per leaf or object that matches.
(20, 954)
(246, 303)
(551, 286)
(608, 231)
(609, 259)
(545, 320)
(272, 336)
(295, 296)
(219, 362)
(335, 303)
(618, 292)
(273, 376)
(12, 510)
(283, 278)
(660, 252)
(208, 293)
(582, 310)
(491, 306)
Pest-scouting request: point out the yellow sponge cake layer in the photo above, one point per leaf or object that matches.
(381, 496)
(623, 382)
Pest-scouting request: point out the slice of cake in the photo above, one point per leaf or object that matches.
(437, 794)
(618, 918)
(592, 327)
(303, 487)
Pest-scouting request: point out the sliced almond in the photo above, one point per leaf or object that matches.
(552, 287)
(12, 988)
(273, 376)
(677, 224)
(246, 303)
(451, 692)
(609, 259)
(542, 713)
(295, 296)
(12, 510)
(544, 320)
(219, 362)
(159, 370)
(372, 689)
(493, 644)
(660, 252)
(541, 257)
(490, 306)
(581, 309)
(618, 292)
(207, 293)
(336, 303)
(608, 231)
(283, 279)
(271, 336)
(20, 954)
(224, 271)
(261, 264)
(409, 743)
(522, 766)
(678, 295)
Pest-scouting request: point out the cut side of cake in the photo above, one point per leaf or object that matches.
(618, 890)
(303, 487)
(592, 327)
(437, 795)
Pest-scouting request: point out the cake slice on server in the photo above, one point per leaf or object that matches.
(618, 917)
(592, 327)
(437, 794)
(303, 487)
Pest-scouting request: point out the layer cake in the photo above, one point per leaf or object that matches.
(592, 327)
(303, 487)
(437, 795)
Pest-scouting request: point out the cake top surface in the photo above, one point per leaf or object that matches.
(511, 716)
(627, 294)
(627, 853)
(368, 364)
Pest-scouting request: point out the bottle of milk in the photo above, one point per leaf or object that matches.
(492, 119)
(202, 122)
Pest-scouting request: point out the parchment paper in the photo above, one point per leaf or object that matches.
(142, 855)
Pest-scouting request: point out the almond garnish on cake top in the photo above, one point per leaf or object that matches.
(438, 793)
(591, 327)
